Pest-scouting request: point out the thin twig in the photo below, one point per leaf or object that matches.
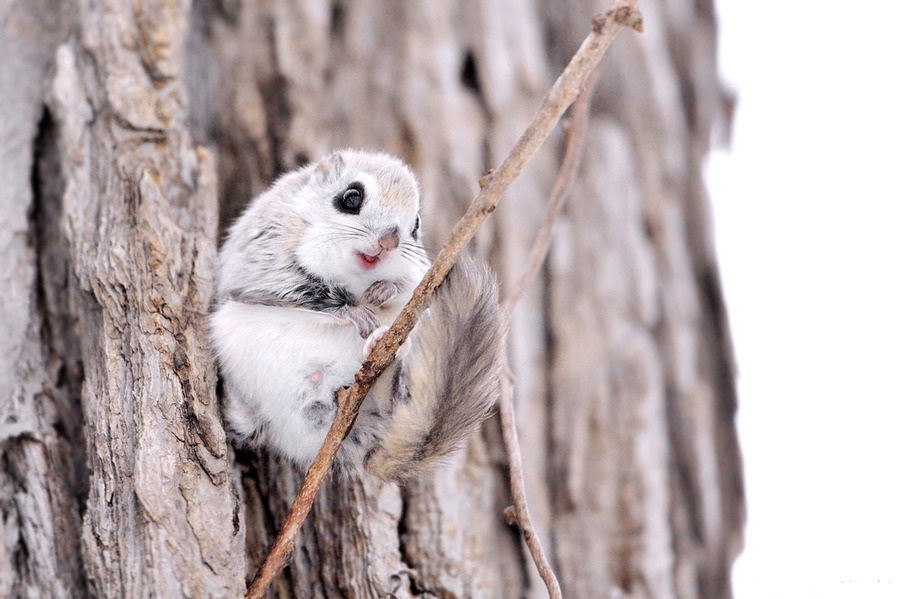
(519, 512)
(493, 184)
(561, 188)
(578, 119)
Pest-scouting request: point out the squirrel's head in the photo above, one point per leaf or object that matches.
(360, 219)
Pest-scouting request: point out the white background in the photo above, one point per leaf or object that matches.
(807, 220)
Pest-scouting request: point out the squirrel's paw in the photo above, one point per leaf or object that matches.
(380, 293)
(378, 334)
(361, 317)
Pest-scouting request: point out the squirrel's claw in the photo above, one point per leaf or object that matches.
(362, 317)
(379, 293)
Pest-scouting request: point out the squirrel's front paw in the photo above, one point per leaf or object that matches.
(377, 334)
(380, 293)
(361, 317)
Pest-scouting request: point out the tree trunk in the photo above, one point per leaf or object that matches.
(117, 480)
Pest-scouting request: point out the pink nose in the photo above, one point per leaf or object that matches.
(389, 242)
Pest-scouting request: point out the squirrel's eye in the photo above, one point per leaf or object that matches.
(415, 231)
(350, 200)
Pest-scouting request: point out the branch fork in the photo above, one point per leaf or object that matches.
(570, 84)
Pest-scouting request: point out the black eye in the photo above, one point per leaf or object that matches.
(415, 230)
(350, 200)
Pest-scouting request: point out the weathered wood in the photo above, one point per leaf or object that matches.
(139, 216)
(39, 549)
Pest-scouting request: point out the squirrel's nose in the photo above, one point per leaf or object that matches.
(390, 241)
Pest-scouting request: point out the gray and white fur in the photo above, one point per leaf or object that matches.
(308, 278)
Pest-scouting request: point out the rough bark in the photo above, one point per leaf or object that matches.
(136, 220)
(39, 555)
(116, 478)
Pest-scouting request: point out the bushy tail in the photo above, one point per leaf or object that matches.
(452, 375)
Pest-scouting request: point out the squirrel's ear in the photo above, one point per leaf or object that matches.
(330, 166)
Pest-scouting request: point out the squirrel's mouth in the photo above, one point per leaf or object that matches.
(368, 261)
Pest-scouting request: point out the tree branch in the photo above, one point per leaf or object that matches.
(493, 184)
(518, 513)
(561, 188)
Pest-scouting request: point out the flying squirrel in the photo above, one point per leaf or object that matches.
(308, 279)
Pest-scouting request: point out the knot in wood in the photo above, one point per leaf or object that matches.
(598, 22)
(486, 178)
(629, 17)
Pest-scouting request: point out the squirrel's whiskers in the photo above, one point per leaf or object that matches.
(308, 277)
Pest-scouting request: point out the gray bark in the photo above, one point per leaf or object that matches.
(39, 554)
(116, 477)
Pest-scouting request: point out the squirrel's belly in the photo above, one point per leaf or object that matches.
(276, 356)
